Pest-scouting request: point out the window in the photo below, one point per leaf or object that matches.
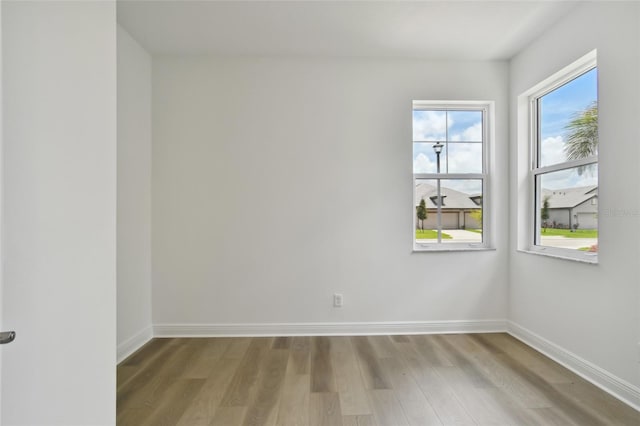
(450, 163)
(564, 167)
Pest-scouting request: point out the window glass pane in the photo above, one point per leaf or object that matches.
(429, 125)
(424, 158)
(461, 133)
(568, 208)
(426, 213)
(464, 158)
(465, 126)
(461, 210)
(568, 121)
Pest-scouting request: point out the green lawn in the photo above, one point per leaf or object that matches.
(477, 231)
(430, 234)
(578, 233)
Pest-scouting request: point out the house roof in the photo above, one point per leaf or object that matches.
(451, 199)
(569, 197)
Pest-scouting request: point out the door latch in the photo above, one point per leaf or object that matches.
(7, 337)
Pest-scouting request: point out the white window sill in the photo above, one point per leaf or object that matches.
(450, 249)
(591, 259)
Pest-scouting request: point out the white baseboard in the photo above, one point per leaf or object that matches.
(134, 343)
(328, 329)
(617, 387)
(608, 382)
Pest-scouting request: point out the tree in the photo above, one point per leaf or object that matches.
(582, 137)
(421, 212)
(544, 212)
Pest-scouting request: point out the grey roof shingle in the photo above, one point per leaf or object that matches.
(452, 199)
(569, 197)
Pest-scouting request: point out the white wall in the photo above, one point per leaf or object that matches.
(1, 198)
(134, 195)
(589, 310)
(277, 181)
(59, 176)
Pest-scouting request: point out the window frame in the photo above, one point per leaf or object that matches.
(488, 113)
(557, 80)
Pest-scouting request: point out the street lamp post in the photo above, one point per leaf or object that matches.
(438, 149)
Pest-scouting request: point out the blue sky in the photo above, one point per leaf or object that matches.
(559, 106)
(557, 109)
(463, 131)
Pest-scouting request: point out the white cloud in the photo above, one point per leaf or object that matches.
(472, 133)
(465, 158)
(466, 186)
(430, 125)
(422, 164)
(570, 178)
(553, 153)
(553, 150)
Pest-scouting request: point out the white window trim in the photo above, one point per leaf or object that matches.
(528, 101)
(488, 108)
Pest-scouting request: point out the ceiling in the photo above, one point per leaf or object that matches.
(451, 30)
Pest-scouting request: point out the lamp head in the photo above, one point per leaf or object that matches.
(438, 147)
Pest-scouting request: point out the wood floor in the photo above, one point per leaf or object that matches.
(476, 379)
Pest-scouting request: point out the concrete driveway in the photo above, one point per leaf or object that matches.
(460, 236)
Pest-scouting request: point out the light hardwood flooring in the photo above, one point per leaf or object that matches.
(456, 379)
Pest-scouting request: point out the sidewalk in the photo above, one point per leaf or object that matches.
(463, 236)
(563, 242)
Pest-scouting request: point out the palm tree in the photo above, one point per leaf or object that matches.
(582, 138)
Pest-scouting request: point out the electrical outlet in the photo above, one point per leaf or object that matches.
(337, 300)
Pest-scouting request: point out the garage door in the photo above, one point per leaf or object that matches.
(450, 220)
(587, 221)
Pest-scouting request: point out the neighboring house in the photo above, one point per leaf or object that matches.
(456, 207)
(571, 206)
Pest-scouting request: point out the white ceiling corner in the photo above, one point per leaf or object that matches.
(451, 30)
